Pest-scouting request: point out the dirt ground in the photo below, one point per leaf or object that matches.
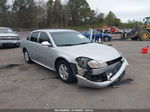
(30, 86)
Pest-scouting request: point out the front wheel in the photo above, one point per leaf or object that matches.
(27, 57)
(65, 72)
(144, 35)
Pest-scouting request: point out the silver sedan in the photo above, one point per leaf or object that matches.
(74, 57)
(8, 38)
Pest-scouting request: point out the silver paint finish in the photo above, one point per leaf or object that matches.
(47, 56)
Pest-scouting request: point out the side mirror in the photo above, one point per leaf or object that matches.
(46, 43)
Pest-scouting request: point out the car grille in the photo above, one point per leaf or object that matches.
(8, 38)
(114, 61)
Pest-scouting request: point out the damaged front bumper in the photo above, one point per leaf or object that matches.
(85, 82)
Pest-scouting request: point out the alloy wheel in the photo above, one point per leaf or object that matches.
(63, 72)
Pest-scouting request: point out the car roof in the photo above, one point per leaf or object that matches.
(54, 30)
(5, 28)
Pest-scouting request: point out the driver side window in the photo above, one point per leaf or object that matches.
(43, 37)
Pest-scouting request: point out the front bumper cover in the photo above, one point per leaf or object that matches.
(9, 43)
(82, 81)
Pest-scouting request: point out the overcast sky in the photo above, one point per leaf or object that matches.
(123, 9)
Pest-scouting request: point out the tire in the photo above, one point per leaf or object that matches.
(27, 57)
(64, 71)
(1, 45)
(17, 45)
(144, 35)
(106, 39)
(134, 38)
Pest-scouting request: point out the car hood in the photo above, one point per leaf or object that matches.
(8, 34)
(98, 52)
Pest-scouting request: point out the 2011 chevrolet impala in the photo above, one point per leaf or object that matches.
(74, 57)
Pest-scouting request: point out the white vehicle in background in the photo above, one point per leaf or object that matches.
(8, 38)
(74, 57)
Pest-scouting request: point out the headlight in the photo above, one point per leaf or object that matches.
(84, 62)
(95, 64)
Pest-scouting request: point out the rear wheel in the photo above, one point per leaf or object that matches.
(1, 45)
(65, 72)
(17, 45)
(27, 57)
(106, 39)
(144, 35)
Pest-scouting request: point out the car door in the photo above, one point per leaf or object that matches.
(45, 52)
(33, 46)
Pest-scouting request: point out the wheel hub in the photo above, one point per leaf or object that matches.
(26, 56)
(63, 72)
(145, 35)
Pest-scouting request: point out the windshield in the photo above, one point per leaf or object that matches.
(147, 22)
(69, 38)
(5, 30)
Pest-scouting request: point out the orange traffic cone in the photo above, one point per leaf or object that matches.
(145, 50)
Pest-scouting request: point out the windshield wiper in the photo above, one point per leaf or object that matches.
(66, 45)
(83, 43)
(74, 44)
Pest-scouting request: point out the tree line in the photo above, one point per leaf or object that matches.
(55, 14)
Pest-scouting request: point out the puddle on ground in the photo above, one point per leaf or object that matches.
(23, 68)
(9, 66)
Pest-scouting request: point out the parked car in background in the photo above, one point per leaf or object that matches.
(74, 57)
(8, 38)
(97, 35)
(115, 30)
(103, 30)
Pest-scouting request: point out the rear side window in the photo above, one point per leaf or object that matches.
(34, 36)
(43, 37)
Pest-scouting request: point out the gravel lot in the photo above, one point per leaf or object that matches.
(30, 86)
